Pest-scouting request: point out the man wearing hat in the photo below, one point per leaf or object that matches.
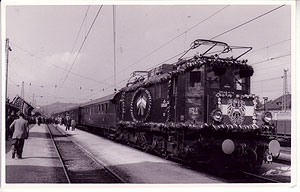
(21, 132)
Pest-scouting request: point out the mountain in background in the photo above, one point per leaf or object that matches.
(54, 108)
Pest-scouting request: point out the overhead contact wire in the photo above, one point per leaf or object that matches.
(81, 47)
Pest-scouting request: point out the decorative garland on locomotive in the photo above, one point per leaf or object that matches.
(199, 109)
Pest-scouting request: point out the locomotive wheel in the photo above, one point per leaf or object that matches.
(218, 164)
(254, 163)
(145, 147)
(165, 155)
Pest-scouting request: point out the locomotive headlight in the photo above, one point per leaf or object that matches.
(228, 146)
(217, 115)
(267, 117)
(274, 148)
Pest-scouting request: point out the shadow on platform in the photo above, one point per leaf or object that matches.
(34, 174)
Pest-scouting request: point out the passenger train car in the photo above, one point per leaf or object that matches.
(198, 109)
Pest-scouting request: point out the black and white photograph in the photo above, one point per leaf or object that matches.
(115, 94)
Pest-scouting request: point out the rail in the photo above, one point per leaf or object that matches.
(59, 156)
(94, 159)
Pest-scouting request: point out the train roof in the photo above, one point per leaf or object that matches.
(99, 100)
(189, 64)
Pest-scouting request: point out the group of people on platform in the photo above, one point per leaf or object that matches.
(17, 127)
(70, 123)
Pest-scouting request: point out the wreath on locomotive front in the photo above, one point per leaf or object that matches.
(141, 105)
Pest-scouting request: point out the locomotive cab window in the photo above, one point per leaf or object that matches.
(213, 81)
(239, 82)
(195, 78)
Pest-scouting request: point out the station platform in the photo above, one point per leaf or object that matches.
(40, 162)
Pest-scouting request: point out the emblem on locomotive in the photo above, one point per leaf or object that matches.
(236, 110)
(141, 105)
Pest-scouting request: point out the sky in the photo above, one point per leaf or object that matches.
(43, 56)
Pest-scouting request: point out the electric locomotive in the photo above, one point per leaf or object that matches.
(198, 109)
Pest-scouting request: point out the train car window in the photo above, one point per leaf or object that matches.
(102, 108)
(99, 109)
(195, 78)
(106, 107)
(213, 81)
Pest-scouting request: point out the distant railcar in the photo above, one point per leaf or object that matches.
(98, 115)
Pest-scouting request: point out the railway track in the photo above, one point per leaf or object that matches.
(236, 177)
(80, 166)
(283, 161)
(246, 177)
(259, 179)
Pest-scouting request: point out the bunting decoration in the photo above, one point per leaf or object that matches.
(204, 128)
(189, 64)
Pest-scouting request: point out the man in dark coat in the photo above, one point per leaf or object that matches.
(21, 132)
(68, 123)
(9, 121)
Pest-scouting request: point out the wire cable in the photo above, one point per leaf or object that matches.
(271, 59)
(59, 67)
(171, 40)
(76, 39)
(271, 45)
(240, 25)
(80, 48)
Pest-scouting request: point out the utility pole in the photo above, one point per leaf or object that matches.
(285, 90)
(114, 31)
(33, 104)
(7, 50)
(22, 91)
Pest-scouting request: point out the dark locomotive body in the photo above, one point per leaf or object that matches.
(199, 109)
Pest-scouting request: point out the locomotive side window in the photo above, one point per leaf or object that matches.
(195, 78)
(213, 81)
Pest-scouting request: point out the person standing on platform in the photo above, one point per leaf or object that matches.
(39, 121)
(73, 124)
(9, 121)
(68, 124)
(21, 132)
